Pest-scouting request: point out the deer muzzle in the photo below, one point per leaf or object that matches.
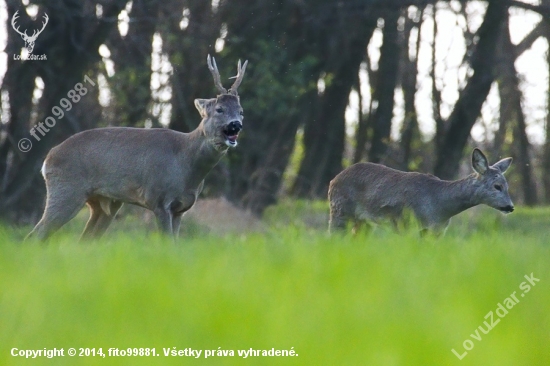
(507, 209)
(231, 132)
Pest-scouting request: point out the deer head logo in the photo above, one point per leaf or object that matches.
(29, 40)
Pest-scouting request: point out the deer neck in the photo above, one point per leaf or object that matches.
(201, 154)
(458, 195)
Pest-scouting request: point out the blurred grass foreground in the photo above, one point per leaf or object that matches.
(281, 284)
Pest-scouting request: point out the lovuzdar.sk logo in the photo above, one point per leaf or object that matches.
(29, 40)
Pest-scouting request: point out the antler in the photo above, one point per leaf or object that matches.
(13, 19)
(36, 33)
(24, 34)
(238, 78)
(215, 74)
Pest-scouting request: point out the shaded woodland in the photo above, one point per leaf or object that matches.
(306, 58)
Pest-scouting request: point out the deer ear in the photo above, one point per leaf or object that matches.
(201, 105)
(503, 164)
(479, 161)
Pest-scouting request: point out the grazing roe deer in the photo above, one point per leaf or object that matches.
(158, 169)
(373, 192)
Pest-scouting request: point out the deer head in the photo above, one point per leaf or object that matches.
(492, 187)
(223, 115)
(29, 40)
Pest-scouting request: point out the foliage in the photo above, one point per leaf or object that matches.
(155, 68)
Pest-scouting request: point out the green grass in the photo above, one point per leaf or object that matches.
(371, 299)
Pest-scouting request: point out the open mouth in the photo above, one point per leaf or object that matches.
(507, 209)
(231, 140)
(231, 133)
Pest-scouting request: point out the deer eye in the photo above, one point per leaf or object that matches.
(219, 110)
(241, 113)
(498, 187)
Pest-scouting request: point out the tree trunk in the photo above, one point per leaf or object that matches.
(436, 93)
(524, 45)
(280, 96)
(468, 106)
(511, 113)
(363, 126)
(410, 131)
(187, 50)
(266, 182)
(546, 156)
(387, 81)
(324, 136)
(131, 84)
(19, 84)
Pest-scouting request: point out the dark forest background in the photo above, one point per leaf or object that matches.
(305, 58)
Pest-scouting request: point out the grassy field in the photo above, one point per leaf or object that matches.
(377, 298)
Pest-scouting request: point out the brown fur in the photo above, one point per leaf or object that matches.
(373, 192)
(159, 169)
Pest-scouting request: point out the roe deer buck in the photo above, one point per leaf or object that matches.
(373, 192)
(158, 169)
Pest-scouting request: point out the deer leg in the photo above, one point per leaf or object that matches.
(395, 222)
(178, 208)
(341, 212)
(100, 220)
(95, 214)
(440, 229)
(164, 220)
(60, 209)
(105, 221)
(337, 221)
(361, 226)
(176, 223)
(356, 227)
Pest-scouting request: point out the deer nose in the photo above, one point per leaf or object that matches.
(234, 127)
(507, 209)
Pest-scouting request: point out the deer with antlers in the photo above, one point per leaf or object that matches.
(158, 169)
(29, 40)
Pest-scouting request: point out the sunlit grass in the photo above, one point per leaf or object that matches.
(372, 299)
